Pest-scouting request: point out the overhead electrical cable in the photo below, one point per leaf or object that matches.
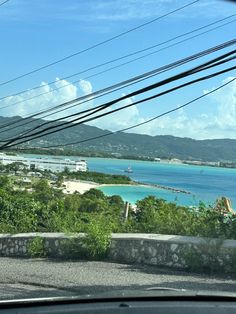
(122, 84)
(2, 3)
(50, 131)
(160, 70)
(154, 52)
(142, 123)
(118, 59)
(102, 107)
(150, 87)
(8, 145)
(98, 44)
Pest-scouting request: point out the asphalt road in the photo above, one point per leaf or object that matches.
(26, 278)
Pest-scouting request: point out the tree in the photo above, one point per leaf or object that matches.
(66, 171)
(116, 200)
(6, 183)
(94, 194)
(60, 180)
(43, 191)
(16, 166)
(72, 202)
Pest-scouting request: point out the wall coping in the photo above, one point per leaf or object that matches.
(177, 239)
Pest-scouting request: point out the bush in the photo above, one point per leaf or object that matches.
(73, 248)
(36, 248)
(205, 257)
(98, 238)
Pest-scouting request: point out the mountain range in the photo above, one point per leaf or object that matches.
(124, 144)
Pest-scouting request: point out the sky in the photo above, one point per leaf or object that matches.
(37, 33)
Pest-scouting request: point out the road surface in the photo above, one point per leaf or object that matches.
(26, 278)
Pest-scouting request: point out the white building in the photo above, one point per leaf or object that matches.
(53, 164)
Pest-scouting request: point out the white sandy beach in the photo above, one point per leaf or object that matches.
(78, 186)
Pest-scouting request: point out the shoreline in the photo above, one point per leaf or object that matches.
(72, 186)
(163, 161)
(161, 187)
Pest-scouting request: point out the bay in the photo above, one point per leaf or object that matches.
(204, 183)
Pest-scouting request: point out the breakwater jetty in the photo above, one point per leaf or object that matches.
(163, 187)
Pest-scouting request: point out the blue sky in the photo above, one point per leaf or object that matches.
(34, 33)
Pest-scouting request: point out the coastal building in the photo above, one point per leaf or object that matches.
(45, 163)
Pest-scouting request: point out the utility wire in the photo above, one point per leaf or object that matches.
(39, 134)
(142, 123)
(118, 59)
(194, 70)
(102, 107)
(2, 3)
(200, 79)
(120, 85)
(150, 74)
(154, 52)
(210, 63)
(98, 44)
(163, 82)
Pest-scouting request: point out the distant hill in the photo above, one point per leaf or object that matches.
(130, 144)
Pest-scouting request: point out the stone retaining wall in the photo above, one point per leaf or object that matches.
(152, 249)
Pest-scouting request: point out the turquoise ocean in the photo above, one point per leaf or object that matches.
(204, 183)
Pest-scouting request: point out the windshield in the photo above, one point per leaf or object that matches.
(118, 147)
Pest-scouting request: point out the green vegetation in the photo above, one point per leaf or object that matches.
(94, 244)
(36, 248)
(128, 145)
(159, 216)
(98, 177)
(44, 208)
(205, 257)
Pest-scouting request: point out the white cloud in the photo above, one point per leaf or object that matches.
(112, 10)
(225, 119)
(85, 86)
(120, 119)
(220, 124)
(39, 99)
(126, 10)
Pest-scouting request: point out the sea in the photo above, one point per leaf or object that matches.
(205, 184)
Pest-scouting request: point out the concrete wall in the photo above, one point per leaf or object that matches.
(152, 249)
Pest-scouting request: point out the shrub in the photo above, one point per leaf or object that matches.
(36, 248)
(205, 257)
(73, 248)
(98, 238)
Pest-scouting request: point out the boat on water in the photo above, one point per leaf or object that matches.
(129, 170)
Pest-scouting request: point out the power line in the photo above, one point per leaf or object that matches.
(200, 79)
(203, 66)
(120, 85)
(39, 134)
(2, 3)
(98, 44)
(102, 107)
(142, 123)
(118, 59)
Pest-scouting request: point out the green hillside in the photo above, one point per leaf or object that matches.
(130, 144)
